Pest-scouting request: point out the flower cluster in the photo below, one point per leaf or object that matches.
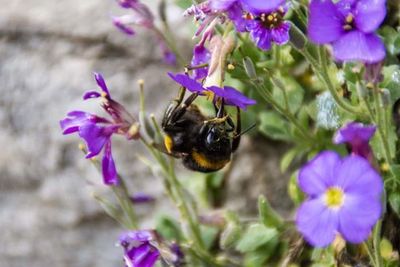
(348, 25)
(97, 131)
(230, 95)
(264, 20)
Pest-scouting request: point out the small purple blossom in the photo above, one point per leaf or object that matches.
(138, 248)
(357, 136)
(97, 131)
(343, 198)
(230, 95)
(348, 25)
(257, 6)
(266, 28)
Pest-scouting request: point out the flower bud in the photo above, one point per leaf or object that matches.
(249, 67)
(297, 37)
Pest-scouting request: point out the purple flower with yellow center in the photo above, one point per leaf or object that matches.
(343, 198)
(348, 25)
(97, 131)
(267, 28)
(356, 135)
(139, 249)
(230, 95)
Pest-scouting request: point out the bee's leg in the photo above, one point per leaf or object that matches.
(164, 150)
(181, 109)
(237, 131)
(174, 104)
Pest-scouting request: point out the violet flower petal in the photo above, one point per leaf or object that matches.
(201, 55)
(76, 119)
(319, 174)
(325, 23)
(356, 45)
(235, 14)
(123, 27)
(354, 132)
(232, 97)
(259, 35)
(369, 14)
(221, 5)
(109, 171)
(95, 137)
(190, 84)
(138, 235)
(357, 217)
(145, 256)
(101, 83)
(317, 223)
(91, 94)
(257, 6)
(356, 176)
(280, 34)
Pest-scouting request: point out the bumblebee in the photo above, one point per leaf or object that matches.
(204, 144)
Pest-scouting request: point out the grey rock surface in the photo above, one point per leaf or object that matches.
(48, 51)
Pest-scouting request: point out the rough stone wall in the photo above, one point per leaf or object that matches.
(48, 51)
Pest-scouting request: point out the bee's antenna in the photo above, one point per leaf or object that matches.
(245, 131)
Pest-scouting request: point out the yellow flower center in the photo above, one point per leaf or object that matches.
(334, 197)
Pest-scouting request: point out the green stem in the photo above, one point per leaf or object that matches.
(324, 74)
(376, 243)
(285, 112)
(369, 250)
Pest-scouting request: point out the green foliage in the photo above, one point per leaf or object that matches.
(274, 126)
(256, 236)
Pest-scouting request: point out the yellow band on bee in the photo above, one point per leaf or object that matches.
(204, 162)
(168, 143)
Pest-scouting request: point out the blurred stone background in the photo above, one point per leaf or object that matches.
(48, 51)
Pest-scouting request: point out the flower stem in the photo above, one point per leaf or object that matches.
(376, 244)
(324, 75)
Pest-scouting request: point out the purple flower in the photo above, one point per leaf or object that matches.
(257, 6)
(138, 248)
(141, 16)
(140, 198)
(266, 28)
(201, 55)
(97, 131)
(230, 95)
(348, 25)
(343, 197)
(357, 136)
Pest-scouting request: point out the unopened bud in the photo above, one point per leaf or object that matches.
(231, 67)
(133, 132)
(249, 67)
(297, 37)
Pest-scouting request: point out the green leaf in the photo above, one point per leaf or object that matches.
(294, 191)
(209, 235)
(394, 200)
(391, 81)
(184, 4)
(260, 256)
(288, 158)
(378, 147)
(293, 90)
(255, 236)
(267, 215)
(274, 126)
(168, 228)
(230, 235)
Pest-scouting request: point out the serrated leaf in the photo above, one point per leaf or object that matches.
(255, 236)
